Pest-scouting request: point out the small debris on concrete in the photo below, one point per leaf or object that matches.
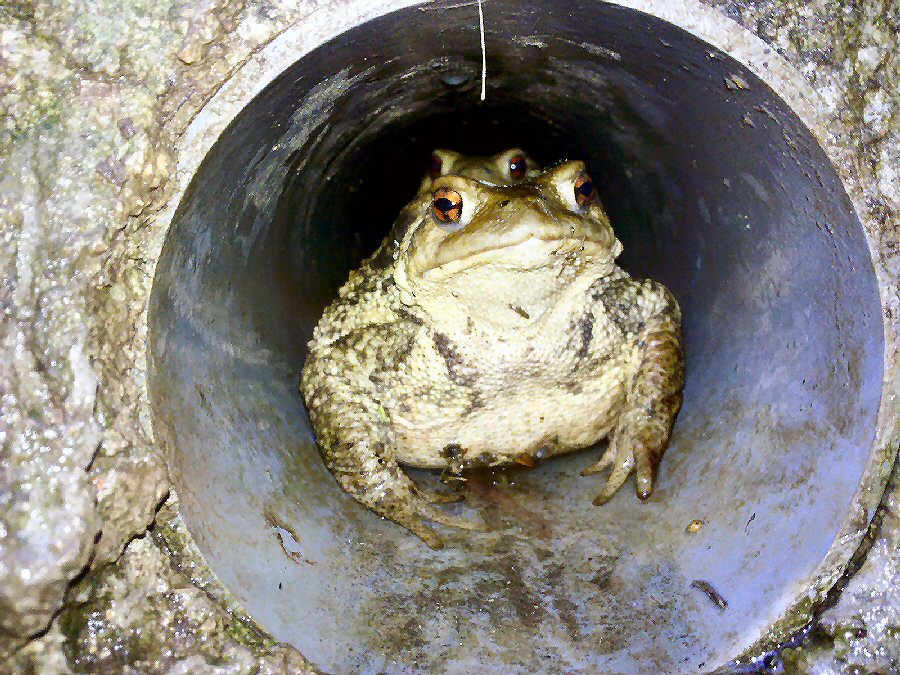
(711, 593)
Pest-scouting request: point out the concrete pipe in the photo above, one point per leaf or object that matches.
(716, 186)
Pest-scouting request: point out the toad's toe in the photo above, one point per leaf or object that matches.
(617, 478)
(417, 526)
(439, 497)
(606, 461)
(428, 511)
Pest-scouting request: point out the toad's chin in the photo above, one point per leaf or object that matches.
(516, 285)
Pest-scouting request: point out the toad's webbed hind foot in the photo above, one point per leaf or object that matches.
(381, 485)
(357, 445)
(408, 505)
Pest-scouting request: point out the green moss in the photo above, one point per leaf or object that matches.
(72, 622)
(795, 622)
(170, 534)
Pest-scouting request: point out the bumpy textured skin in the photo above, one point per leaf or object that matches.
(509, 333)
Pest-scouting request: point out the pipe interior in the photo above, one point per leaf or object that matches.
(718, 191)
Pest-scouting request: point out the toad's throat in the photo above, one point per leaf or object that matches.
(527, 252)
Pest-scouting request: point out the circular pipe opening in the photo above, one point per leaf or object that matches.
(715, 188)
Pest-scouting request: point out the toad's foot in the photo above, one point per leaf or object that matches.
(381, 485)
(642, 431)
(636, 445)
(357, 445)
(620, 455)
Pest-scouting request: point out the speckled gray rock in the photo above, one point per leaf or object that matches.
(157, 609)
(865, 623)
(89, 111)
(860, 632)
(85, 156)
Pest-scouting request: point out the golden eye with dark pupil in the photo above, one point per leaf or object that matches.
(447, 205)
(584, 190)
(518, 167)
(435, 164)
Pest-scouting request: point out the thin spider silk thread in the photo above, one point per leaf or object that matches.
(483, 52)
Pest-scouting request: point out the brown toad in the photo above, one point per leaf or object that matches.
(492, 324)
(505, 168)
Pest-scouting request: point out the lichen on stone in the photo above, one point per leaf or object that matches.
(158, 609)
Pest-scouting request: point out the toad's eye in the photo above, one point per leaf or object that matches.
(435, 164)
(518, 167)
(447, 205)
(584, 190)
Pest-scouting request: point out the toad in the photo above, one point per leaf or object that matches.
(492, 324)
(505, 168)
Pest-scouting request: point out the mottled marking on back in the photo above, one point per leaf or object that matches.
(456, 366)
(585, 330)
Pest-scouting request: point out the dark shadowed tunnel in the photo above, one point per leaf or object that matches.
(714, 187)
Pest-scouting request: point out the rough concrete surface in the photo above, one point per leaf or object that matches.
(93, 96)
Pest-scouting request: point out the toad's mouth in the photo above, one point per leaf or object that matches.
(524, 253)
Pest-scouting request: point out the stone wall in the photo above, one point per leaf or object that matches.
(95, 95)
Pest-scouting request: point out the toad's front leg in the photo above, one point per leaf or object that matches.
(357, 446)
(653, 396)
